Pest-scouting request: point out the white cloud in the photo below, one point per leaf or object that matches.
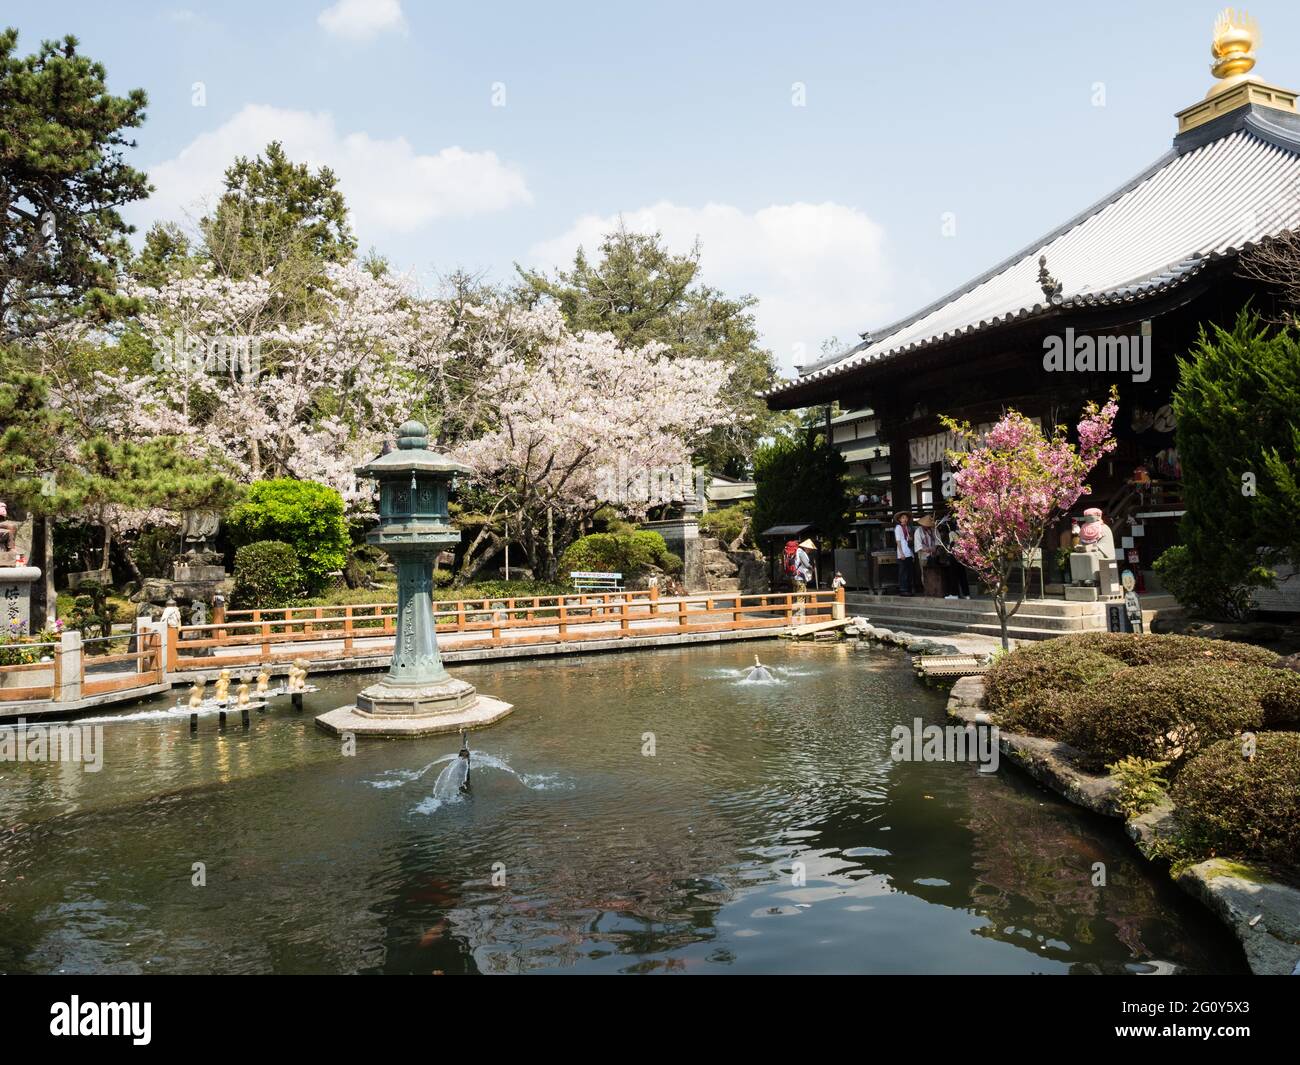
(818, 269)
(362, 20)
(390, 187)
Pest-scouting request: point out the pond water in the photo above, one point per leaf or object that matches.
(576, 850)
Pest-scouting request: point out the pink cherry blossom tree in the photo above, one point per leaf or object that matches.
(1012, 485)
(569, 421)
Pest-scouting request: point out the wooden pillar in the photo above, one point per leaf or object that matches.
(939, 504)
(900, 473)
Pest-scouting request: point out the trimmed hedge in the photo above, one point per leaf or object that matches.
(1166, 713)
(1280, 698)
(1228, 805)
(628, 553)
(1150, 649)
(306, 515)
(1029, 688)
(1116, 695)
(266, 575)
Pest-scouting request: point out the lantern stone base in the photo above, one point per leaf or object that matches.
(385, 709)
(386, 699)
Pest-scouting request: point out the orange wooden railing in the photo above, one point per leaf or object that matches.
(146, 662)
(264, 637)
(31, 680)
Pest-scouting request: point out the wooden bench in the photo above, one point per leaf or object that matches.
(596, 582)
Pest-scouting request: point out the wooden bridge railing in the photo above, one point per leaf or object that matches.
(104, 668)
(20, 681)
(263, 637)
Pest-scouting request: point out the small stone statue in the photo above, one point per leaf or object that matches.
(262, 680)
(298, 675)
(196, 693)
(242, 693)
(223, 686)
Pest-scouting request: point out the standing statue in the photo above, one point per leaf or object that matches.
(199, 616)
(8, 530)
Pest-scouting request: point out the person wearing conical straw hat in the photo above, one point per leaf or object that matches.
(925, 544)
(906, 553)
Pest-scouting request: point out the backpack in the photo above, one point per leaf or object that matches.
(791, 550)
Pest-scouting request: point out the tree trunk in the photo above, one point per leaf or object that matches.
(51, 600)
(127, 554)
(107, 557)
(1000, 603)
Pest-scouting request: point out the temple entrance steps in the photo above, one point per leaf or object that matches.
(1037, 619)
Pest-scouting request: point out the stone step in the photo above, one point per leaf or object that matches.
(724, 584)
(1042, 607)
(713, 556)
(941, 628)
(976, 622)
(709, 543)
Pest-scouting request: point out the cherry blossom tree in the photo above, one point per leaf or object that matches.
(571, 423)
(1011, 486)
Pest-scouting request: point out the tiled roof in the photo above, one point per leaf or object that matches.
(1185, 211)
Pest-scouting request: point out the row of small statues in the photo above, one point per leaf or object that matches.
(297, 682)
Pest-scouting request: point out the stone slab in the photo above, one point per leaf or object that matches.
(485, 711)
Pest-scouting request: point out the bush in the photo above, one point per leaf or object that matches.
(1150, 649)
(630, 554)
(1032, 688)
(1165, 713)
(1228, 805)
(1279, 697)
(266, 575)
(728, 524)
(303, 514)
(1210, 587)
(1026, 688)
(1141, 784)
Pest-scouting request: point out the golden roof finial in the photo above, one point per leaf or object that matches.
(1235, 36)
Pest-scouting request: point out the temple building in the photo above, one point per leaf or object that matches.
(1114, 295)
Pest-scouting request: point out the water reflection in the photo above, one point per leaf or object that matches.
(639, 812)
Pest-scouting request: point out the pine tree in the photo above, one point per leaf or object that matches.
(62, 181)
(641, 292)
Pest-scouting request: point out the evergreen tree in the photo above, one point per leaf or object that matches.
(800, 477)
(641, 292)
(62, 180)
(1236, 399)
(274, 210)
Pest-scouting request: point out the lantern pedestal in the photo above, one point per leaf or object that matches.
(418, 697)
(482, 710)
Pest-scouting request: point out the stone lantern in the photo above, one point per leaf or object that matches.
(418, 696)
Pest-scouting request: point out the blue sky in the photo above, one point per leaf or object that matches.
(479, 135)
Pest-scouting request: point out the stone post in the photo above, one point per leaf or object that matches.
(69, 671)
(16, 597)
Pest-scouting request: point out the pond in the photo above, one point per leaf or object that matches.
(638, 812)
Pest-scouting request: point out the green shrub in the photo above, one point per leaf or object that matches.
(1031, 689)
(1025, 687)
(1151, 649)
(303, 514)
(266, 575)
(630, 554)
(1228, 805)
(1141, 783)
(1279, 696)
(1209, 588)
(728, 524)
(1165, 713)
